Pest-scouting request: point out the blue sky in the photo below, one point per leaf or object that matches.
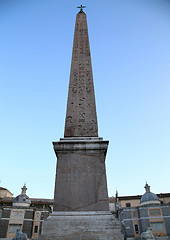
(130, 50)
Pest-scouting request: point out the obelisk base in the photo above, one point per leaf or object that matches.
(81, 226)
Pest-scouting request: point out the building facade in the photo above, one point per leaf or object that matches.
(136, 214)
(134, 201)
(23, 213)
(150, 213)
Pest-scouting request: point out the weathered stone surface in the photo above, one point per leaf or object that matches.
(81, 226)
(80, 175)
(81, 119)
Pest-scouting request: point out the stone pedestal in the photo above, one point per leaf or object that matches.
(80, 175)
(88, 225)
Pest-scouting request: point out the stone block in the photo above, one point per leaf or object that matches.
(80, 175)
(81, 226)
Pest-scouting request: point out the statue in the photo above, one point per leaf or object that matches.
(81, 8)
(148, 234)
(20, 235)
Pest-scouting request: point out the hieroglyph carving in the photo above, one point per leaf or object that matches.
(81, 119)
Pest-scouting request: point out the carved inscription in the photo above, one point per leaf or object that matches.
(69, 121)
(81, 119)
(92, 126)
(75, 81)
(87, 127)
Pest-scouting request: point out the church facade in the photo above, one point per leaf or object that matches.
(151, 214)
(22, 213)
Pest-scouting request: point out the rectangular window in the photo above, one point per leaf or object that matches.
(157, 226)
(36, 229)
(6, 213)
(136, 229)
(128, 205)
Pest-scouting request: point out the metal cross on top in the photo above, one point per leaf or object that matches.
(81, 8)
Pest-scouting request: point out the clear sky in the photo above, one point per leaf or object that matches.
(130, 50)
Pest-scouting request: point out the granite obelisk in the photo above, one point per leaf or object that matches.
(80, 175)
(81, 118)
(81, 208)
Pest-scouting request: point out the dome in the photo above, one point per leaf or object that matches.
(5, 193)
(22, 200)
(149, 197)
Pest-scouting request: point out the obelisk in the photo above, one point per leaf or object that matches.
(81, 118)
(81, 208)
(80, 175)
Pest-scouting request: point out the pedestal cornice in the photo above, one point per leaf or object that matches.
(80, 144)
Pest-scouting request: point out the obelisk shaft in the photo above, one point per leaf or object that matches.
(81, 118)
